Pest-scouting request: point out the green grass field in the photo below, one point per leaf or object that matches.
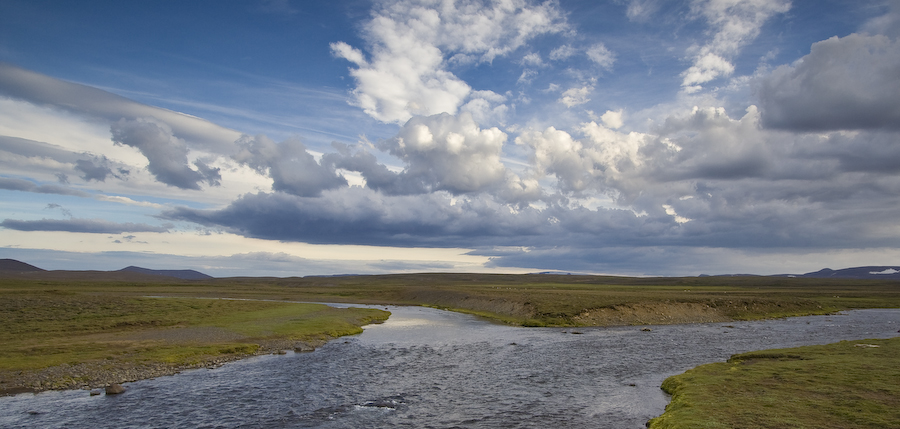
(54, 319)
(847, 385)
(559, 300)
(52, 324)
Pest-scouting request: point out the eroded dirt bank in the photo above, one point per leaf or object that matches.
(651, 314)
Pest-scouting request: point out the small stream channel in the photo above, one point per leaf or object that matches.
(427, 368)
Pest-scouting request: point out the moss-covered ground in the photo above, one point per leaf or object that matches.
(847, 385)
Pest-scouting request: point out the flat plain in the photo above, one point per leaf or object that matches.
(67, 330)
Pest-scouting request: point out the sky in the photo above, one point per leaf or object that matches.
(291, 138)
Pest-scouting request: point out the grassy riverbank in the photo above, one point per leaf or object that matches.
(65, 329)
(57, 337)
(560, 300)
(847, 385)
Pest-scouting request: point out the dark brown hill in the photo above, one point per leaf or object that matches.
(14, 265)
(179, 274)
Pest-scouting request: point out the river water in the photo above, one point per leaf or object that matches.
(427, 368)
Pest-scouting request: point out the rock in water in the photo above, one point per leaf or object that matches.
(303, 348)
(114, 389)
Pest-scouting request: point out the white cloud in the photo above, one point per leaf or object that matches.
(601, 55)
(486, 107)
(641, 10)
(705, 69)
(450, 153)
(612, 119)
(563, 52)
(411, 43)
(533, 59)
(349, 53)
(734, 23)
(575, 96)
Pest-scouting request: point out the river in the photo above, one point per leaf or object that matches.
(427, 368)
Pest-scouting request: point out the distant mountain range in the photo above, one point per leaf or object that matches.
(12, 265)
(879, 272)
(874, 272)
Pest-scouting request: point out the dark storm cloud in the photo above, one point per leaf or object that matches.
(362, 216)
(96, 226)
(848, 83)
(167, 154)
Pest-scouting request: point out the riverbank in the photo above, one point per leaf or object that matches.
(85, 330)
(574, 301)
(846, 385)
(56, 339)
(97, 374)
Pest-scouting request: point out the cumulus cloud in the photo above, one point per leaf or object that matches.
(412, 42)
(701, 180)
(94, 226)
(486, 107)
(449, 153)
(582, 164)
(846, 83)
(612, 119)
(734, 23)
(292, 168)
(166, 154)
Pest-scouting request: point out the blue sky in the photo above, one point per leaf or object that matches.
(633, 137)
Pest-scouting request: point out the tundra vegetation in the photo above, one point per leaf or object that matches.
(62, 328)
(846, 385)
